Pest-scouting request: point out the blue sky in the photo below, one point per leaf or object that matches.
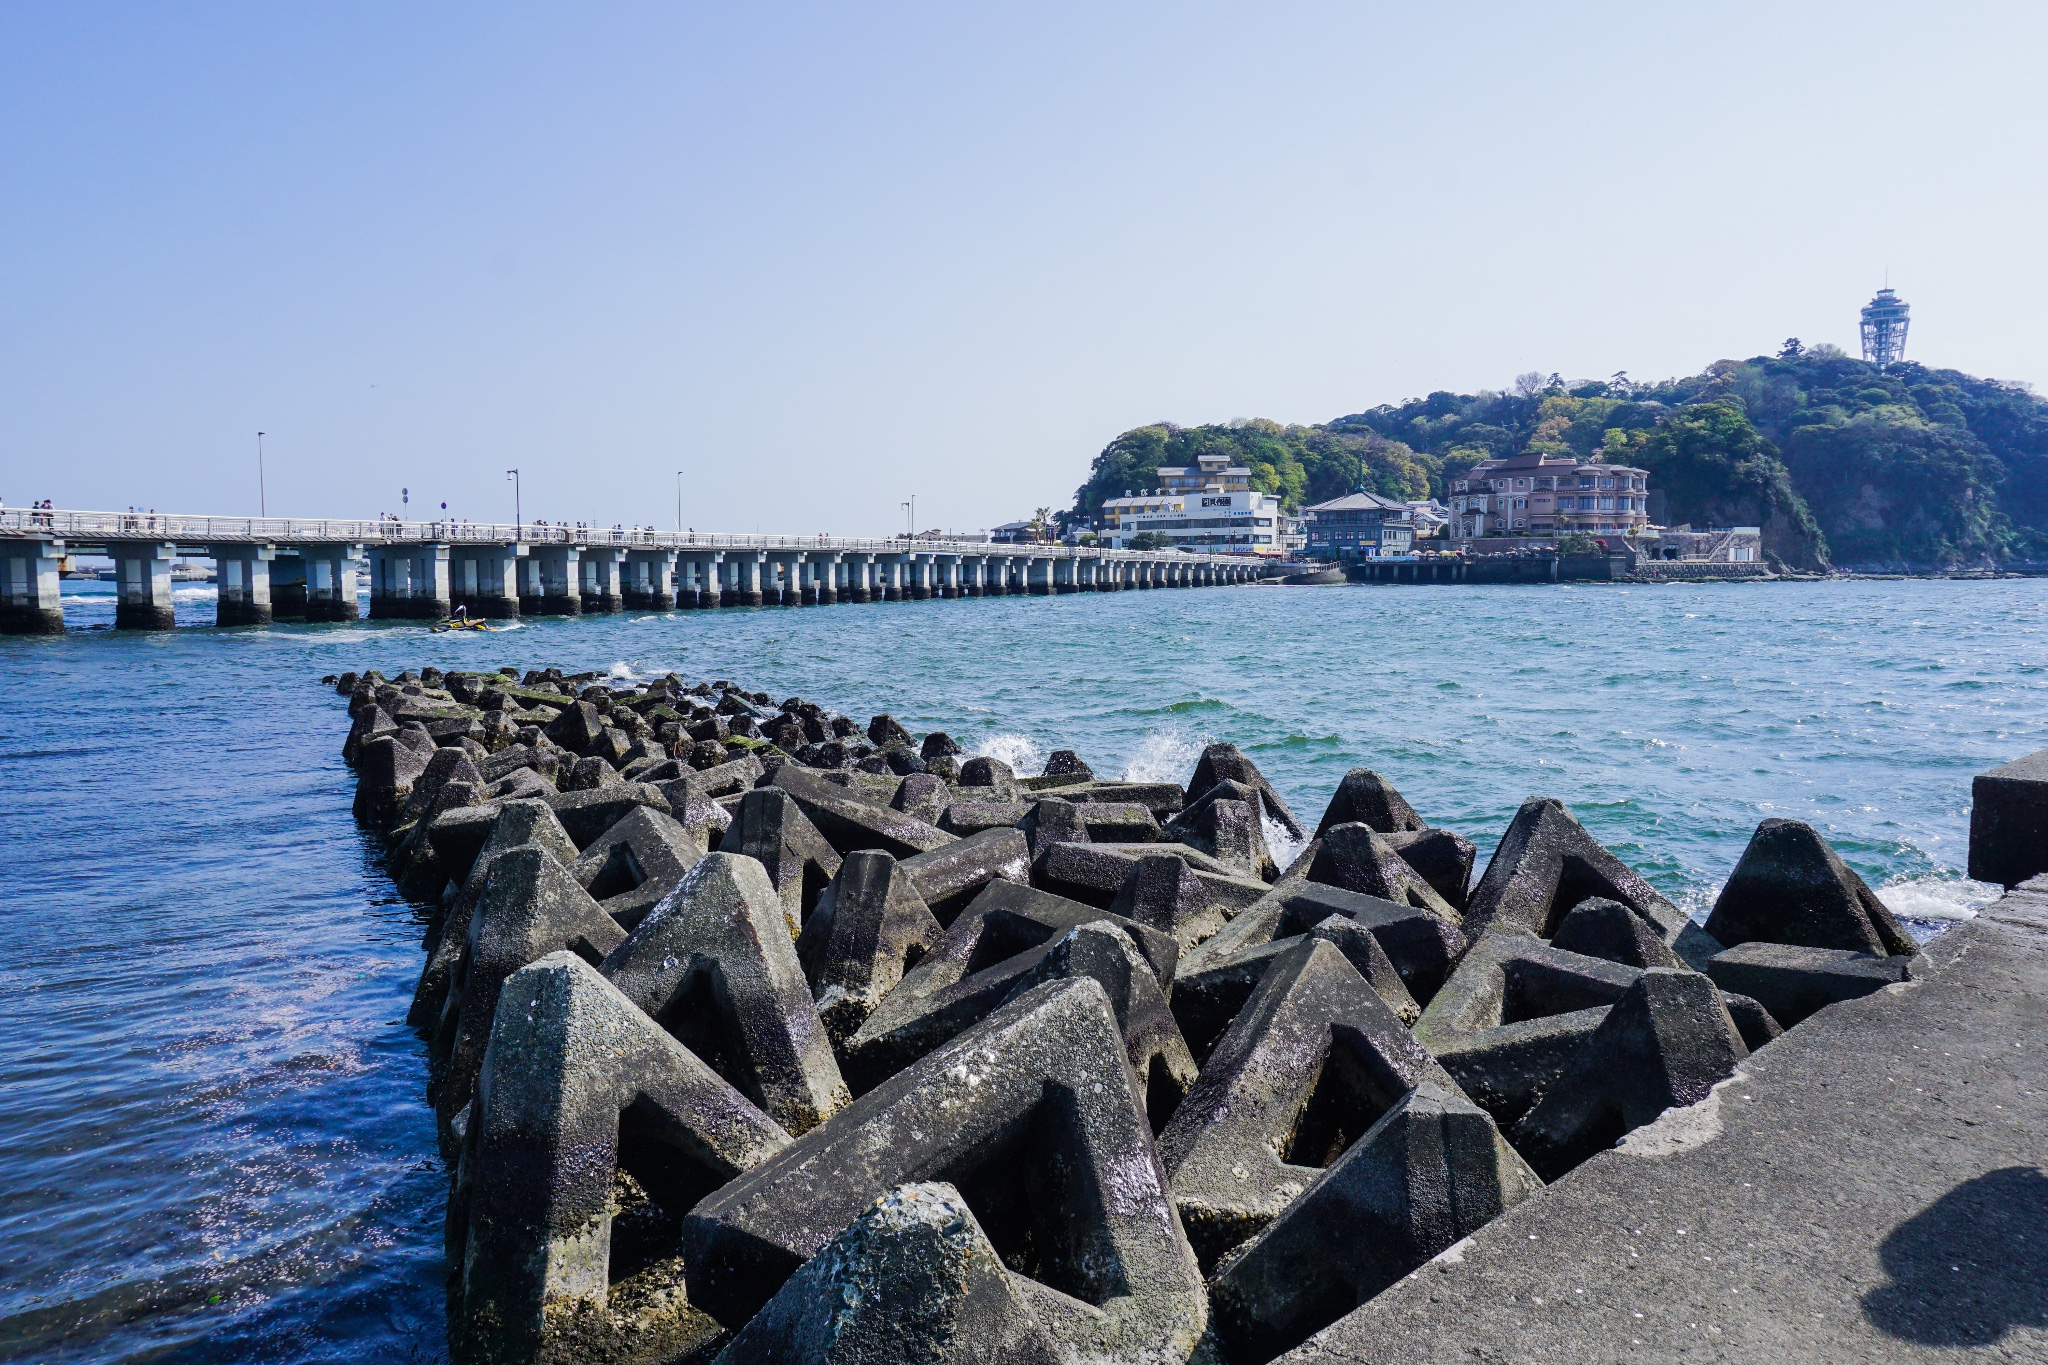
(822, 258)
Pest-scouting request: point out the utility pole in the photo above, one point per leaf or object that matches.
(679, 500)
(518, 516)
(262, 492)
(910, 512)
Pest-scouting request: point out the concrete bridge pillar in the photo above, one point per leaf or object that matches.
(973, 575)
(598, 579)
(143, 576)
(485, 579)
(995, 575)
(1038, 576)
(409, 582)
(554, 581)
(1063, 577)
(31, 602)
(784, 585)
(825, 570)
(288, 585)
(241, 574)
(330, 582)
(950, 585)
(860, 570)
(920, 577)
(693, 577)
(746, 567)
(650, 583)
(891, 569)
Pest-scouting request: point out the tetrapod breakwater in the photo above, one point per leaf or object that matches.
(761, 1034)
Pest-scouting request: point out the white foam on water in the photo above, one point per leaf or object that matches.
(1936, 898)
(1284, 847)
(1167, 755)
(1020, 752)
(195, 594)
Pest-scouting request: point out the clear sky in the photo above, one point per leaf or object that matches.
(822, 258)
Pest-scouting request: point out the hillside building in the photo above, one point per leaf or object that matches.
(1537, 494)
(1360, 525)
(1209, 507)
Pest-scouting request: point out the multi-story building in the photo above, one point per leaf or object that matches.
(1209, 507)
(1537, 494)
(1360, 525)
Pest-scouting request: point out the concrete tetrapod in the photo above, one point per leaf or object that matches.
(1546, 864)
(714, 964)
(1420, 944)
(869, 927)
(529, 907)
(1514, 1015)
(1443, 857)
(910, 1025)
(577, 1084)
(631, 866)
(1433, 1170)
(1364, 797)
(1795, 983)
(1164, 892)
(1210, 991)
(1357, 859)
(851, 824)
(772, 829)
(912, 1278)
(515, 824)
(1666, 1042)
(1791, 887)
(1311, 1062)
(949, 878)
(1029, 1116)
(1227, 763)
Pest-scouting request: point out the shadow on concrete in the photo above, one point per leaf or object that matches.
(1970, 1266)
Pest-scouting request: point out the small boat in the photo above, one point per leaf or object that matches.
(457, 624)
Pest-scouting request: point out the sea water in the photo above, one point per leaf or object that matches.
(215, 1145)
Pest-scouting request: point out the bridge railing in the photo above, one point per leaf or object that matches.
(184, 529)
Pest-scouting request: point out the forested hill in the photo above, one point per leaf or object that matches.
(1840, 463)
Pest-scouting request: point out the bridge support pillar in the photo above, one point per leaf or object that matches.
(598, 581)
(409, 582)
(142, 574)
(920, 577)
(551, 581)
(241, 574)
(746, 577)
(31, 601)
(331, 582)
(485, 579)
(823, 589)
(1064, 579)
(650, 580)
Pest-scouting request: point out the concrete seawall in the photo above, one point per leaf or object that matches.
(1869, 1187)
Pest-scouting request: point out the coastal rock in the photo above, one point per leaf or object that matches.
(771, 828)
(870, 926)
(1791, 887)
(1364, 797)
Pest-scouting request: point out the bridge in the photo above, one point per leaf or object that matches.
(272, 567)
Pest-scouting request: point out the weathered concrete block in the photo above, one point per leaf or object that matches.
(1046, 1145)
(966, 818)
(950, 877)
(1067, 763)
(576, 1083)
(1053, 821)
(2009, 821)
(694, 810)
(714, 963)
(1547, 864)
(1514, 1015)
(577, 728)
(1431, 1172)
(1793, 983)
(1444, 859)
(1227, 763)
(851, 824)
(1225, 824)
(1666, 1042)
(586, 815)
(1421, 945)
(386, 768)
(914, 1277)
(631, 866)
(771, 828)
(529, 906)
(922, 796)
(1164, 892)
(1756, 1024)
(1313, 1060)
(1791, 887)
(730, 775)
(1095, 873)
(1608, 929)
(1364, 797)
(992, 774)
(870, 926)
(1163, 799)
(371, 722)
(1355, 858)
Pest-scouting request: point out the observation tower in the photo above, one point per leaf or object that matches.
(1884, 329)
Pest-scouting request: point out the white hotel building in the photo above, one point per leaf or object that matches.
(1208, 508)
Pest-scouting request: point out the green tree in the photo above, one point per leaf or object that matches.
(1716, 470)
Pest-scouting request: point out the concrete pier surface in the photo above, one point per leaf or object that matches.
(1870, 1187)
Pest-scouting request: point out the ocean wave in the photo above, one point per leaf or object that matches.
(1936, 898)
(1167, 755)
(1284, 847)
(1020, 753)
